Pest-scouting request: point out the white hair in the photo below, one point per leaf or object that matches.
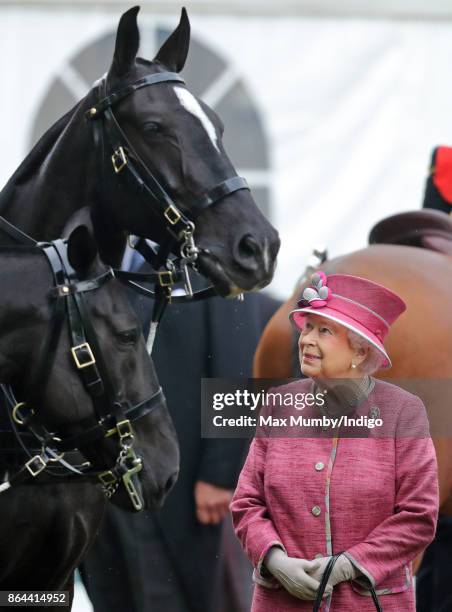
(374, 359)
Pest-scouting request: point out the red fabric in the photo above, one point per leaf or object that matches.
(442, 176)
(383, 503)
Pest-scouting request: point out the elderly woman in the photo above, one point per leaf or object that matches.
(372, 498)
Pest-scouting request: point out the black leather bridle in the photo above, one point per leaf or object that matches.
(112, 416)
(113, 144)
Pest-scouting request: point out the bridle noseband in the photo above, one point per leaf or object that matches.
(113, 417)
(113, 144)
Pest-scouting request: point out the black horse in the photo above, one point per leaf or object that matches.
(147, 157)
(48, 521)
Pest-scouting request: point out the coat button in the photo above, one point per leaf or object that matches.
(319, 466)
(316, 510)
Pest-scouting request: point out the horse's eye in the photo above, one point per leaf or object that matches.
(129, 336)
(152, 127)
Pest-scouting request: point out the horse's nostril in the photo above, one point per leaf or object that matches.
(248, 246)
(248, 253)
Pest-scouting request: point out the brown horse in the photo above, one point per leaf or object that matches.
(419, 343)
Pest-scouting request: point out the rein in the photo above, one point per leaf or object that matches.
(113, 417)
(112, 142)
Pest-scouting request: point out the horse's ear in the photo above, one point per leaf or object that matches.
(81, 249)
(127, 43)
(174, 50)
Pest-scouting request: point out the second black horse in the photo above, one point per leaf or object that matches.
(81, 375)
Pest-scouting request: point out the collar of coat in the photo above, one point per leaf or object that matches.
(344, 396)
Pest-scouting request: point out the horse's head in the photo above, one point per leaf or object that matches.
(82, 394)
(162, 128)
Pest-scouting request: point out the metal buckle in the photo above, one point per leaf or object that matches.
(124, 429)
(129, 485)
(119, 159)
(172, 215)
(78, 363)
(166, 278)
(16, 415)
(107, 478)
(37, 470)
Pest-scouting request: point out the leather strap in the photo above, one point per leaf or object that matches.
(119, 94)
(324, 582)
(15, 233)
(98, 431)
(226, 187)
(132, 280)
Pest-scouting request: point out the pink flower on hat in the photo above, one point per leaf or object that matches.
(318, 294)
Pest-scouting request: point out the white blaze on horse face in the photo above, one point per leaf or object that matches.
(191, 104)
(266, 256)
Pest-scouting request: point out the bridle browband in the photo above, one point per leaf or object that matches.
(179, 226)
(112, 416)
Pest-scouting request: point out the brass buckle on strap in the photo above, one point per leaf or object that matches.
(107, 478)
(166, 278)
(124, 429)
(91, 361)
(34, 471)
(172, 215)
(119, 159)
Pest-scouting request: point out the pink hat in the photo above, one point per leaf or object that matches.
(356, 303)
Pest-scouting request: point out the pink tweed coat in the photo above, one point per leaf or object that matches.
(374, 498)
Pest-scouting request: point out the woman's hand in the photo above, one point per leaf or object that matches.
(342, 571)
(294, 574)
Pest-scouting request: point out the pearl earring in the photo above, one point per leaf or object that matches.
(353, 365)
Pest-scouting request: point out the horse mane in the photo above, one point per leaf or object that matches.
(37, 155)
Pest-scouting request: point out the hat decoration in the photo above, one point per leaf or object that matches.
(318, 295)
